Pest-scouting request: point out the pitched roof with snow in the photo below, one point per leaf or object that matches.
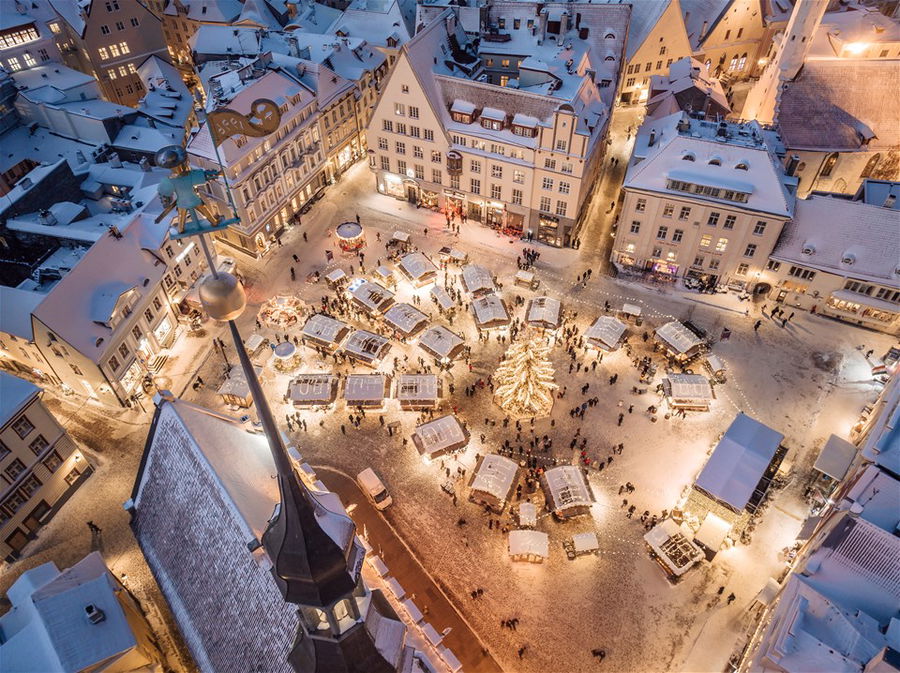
(495, 475)
(849, 238)
(17, 307)
(839, 104)
(698, 12)
(14, 393)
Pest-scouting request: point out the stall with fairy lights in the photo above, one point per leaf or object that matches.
(235, 391)
(418, 269)
(687, 392)
(418, 391)
(351, 236)
(492, 481)
(439, 437)
(370, 297)
(477, 280)
(281, 312)
(544, 313)
(605, 334)
(567, 491)
(306, 391)
(366, 347)
(323, 331)
(405, 319)
(531, 546)
(678, 341)
(490, 312)
(441, 343)
(368, 391)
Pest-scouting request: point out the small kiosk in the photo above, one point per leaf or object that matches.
(350, 236)
(371, 298)
(670, 546)
(405, 319)
(336, 279)
(678, 341)
(234, 389)
(366, 347)
(418, 391)
(399, 240)
(544, 313)
(567, 491)
(527, 514)
(492, 481)
(490, 312)
(418, 269)
(285, 357)
(605, 334)
(452, 255)
(367, 390)
(477, 280)
(688, 392)
(531, 546)
(441, 344)
(385, 277)
(312, 390)
(323, 331)
(526, 279)
(256, 345)
(632, 313)
(443, 300)
(439, 437)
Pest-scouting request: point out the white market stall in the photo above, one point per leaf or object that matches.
(336, 278)
(489, 312)
(477, 280)
(606, 333)
(366, 347)
(492, 481)
(567, 491)
(526, 279)
(532, 546)
(581, 544)
(369, 296)
(442, 298)
(418, 391)
(439, 437)
(418, 269)
(384, 277)
(544, 313)
(689, 392)
(441, 343)
(632, 312)
(324, 331)
(527, 515)
(366, 390)
(312, 390)
(399, 239)
(234, 389)
(712, 533)
(678, 340)
(405, 319)
(670, 546)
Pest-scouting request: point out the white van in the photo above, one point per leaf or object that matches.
(373, 488)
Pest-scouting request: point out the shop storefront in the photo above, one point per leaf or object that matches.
(663, 267)
(132, 377)
(494, 214)
(852, 307)
(476, 209)
(549, 230)
(429, 199)
(515, 224)
(455, 202)
(164, 332)
(706, 279)
(391, 184)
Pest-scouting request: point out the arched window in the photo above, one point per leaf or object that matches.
(871, 165)
(734, 62)
(828, 166)
(610, 58)
(610, 36)
(840, 186)
(715, 161)
(688, 157)
(742, 166)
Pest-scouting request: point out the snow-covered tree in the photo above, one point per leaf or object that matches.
(523, 383)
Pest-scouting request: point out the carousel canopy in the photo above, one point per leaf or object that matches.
(349, 231)
(677, 337)
(411, 387)
(440, 342)
(440, 436)
(566, 487)
(477, 280)
(495, 476)
(529, 543)
(366, 387)
(285, 350)
(544, 312)
(405, 318)
(606, 332)
(313, 389)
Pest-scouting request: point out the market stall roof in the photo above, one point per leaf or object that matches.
(477, 280)
(715, 362)
(371, 296)
(544, 312)
(440, 342)
(712, 531)
(606, 331)
(335, 275)
(495, 476)
(739, 461)
(688, 387)
(585, 542)
(366, 387)
(366, 345)
(442, 297)
(325, 329)
(418, 387)
(527, 514)
(490, 311)
(236, 383)
(416, 266)
(631, 309)
(313, 389)
(405, 318)
(524, 276)
(835, 458)
(401, 236)
(566, 487)
(383, 273)
(529, 542)
(672, 542)
(254, 342)
(678, 337)
(440, 436)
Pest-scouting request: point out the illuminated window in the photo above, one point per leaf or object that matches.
(29, 60)
(705, 241)
(112, 73)
(721, 245)
(14, 64)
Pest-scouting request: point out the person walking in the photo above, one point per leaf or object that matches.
(357, 218)
(756, 325)
(621, 418)
(731, 598)
(94, 528)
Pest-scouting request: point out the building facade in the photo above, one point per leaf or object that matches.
(497, 135)
(109, 39)
(40, 465)
(703, 200)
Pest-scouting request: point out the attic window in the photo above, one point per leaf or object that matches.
(688, 157)
(462, 118)
(524, 131)
(742, 166)
(715, 162)
(610, 58)
(610, 36)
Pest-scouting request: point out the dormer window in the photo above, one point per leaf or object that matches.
(715, 161)
(492, 124)
(493, 119)
(461, 118)
(743, 166)
(524, 131)
(462, 111)
(688, 157)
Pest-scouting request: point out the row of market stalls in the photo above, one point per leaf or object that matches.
(369, 391)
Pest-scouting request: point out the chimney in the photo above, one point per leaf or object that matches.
(94, 614)
(703, 30)
(47, 218)
(293, 46)
(114, 160)
(793, 162)
(652, 139)
(144, 164)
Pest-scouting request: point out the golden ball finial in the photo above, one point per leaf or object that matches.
(223, 296)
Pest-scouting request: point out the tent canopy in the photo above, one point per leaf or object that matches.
(606, 332)
(585, 542)
(678, 337)
(566, 487)
(529, 543)
(835, 458)
(688, 387)
(527, 514)
(712, 531)
(495, 476)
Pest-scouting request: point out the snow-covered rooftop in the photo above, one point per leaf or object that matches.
(490, 311)
(476, 279)
(371, 296)
(236, 384)
(411, 387)
(688, 387)
(417, 267)
(739, 461)
(18, 305)
(14, 393)
(440, 436)
(495, 476)
(405, 318)
(605, 332)
(313, 389)
(325, 329)
(529, 543)
(366, 345)
(678, 337)
(544, 312)
(566, 488)
(440, 342)
(366, 387)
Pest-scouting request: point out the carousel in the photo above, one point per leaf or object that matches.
(281, 312)
(350, 236)
(285, 357)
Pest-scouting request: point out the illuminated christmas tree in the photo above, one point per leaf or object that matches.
(523, 383)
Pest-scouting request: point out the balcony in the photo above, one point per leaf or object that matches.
(454, 163)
